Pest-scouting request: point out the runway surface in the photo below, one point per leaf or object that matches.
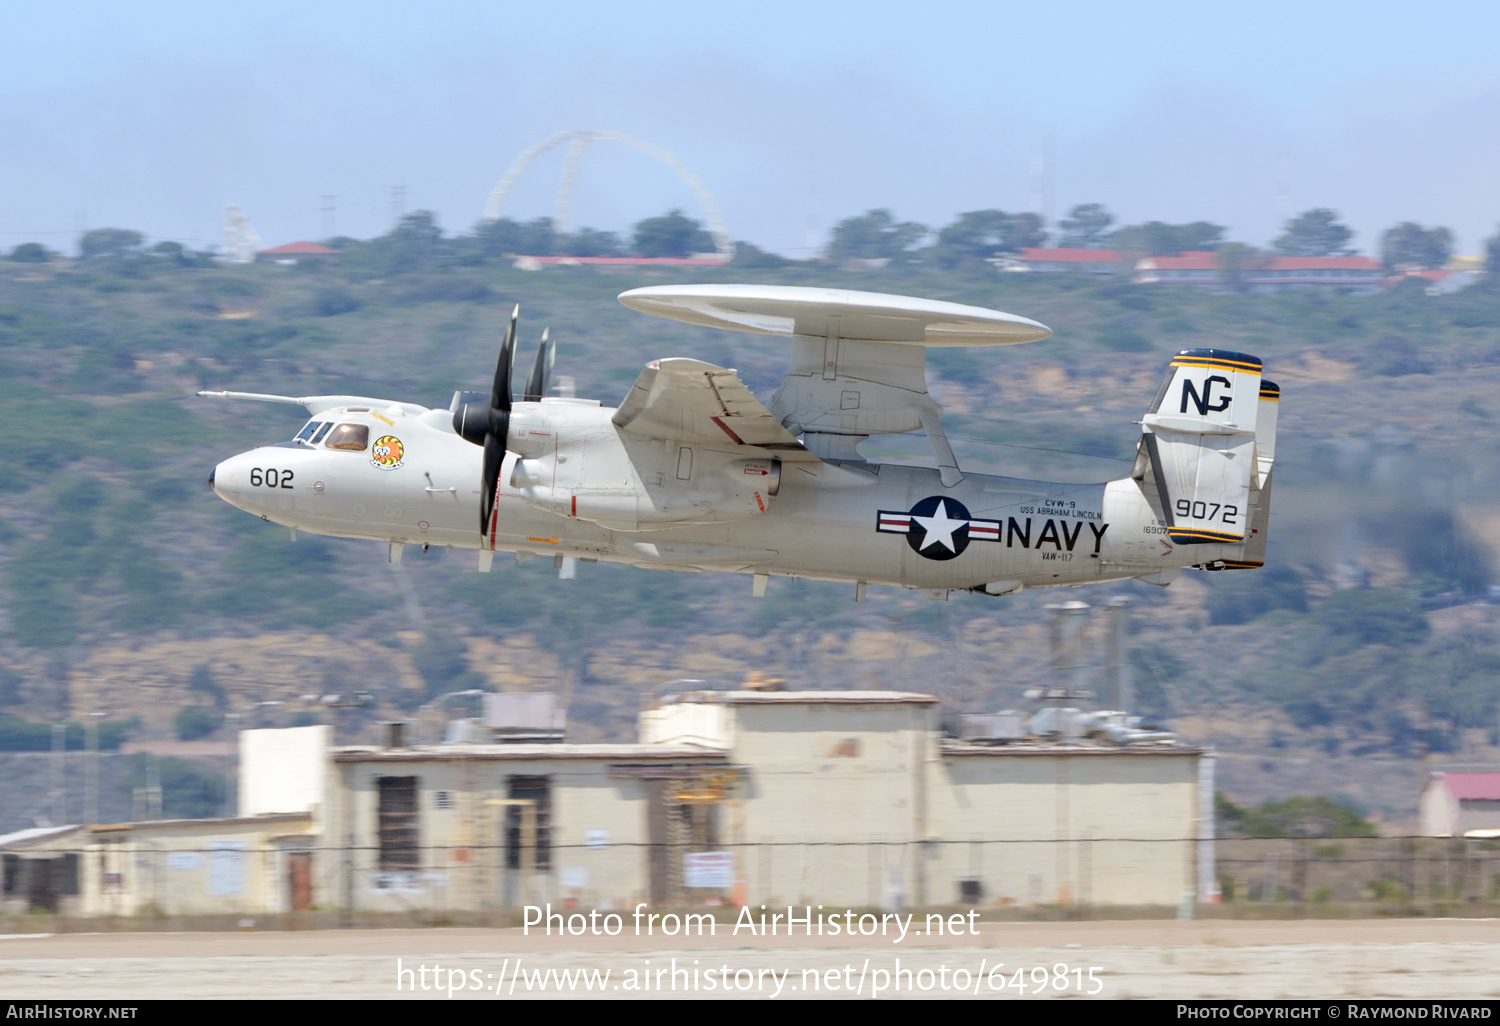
(1454, 959)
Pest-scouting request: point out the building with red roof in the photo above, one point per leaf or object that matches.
(1203, 269)
(1064, 258)
(1458, 800)
(536, 263)
(293, 252)
(1440, 281)
(1347, 273)
(1199, 268)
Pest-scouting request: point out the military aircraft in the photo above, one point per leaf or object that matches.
(693, 473)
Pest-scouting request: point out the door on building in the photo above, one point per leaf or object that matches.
(397, 824)
(673, 828)
(41, 885)
(539, 791)
(299, 880)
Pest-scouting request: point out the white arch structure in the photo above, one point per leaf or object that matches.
(578, 142)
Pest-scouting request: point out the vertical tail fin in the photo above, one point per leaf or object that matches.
(1265, 427)
(1254, 554)
(1199, 445)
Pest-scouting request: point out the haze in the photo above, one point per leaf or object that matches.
(155, 115)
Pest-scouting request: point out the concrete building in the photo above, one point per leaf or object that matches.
(758, 796)
(832, 801)
(855, 797)
(481, 826)
(248, 866)
(1456, 801)
(39, 869)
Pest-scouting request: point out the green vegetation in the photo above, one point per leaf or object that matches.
(108, 535)
(188, 791)
(1085, 226)
(20, 735)
(439, 658)
(983, 234)
(1316, 233)
(671, 235)
(1246, 596)
(30, 253)
(875, 235)
(1290, 817)
(1410, 245)
(1156, 238)
(193, 723)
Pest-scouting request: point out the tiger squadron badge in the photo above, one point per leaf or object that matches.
(387, 453)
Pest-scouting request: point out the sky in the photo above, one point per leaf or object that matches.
(156, 115)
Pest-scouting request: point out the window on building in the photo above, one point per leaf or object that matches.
(68, 883)
(538, 790)
(12, 874)
(398, 823)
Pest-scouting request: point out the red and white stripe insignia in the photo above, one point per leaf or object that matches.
(984, 530)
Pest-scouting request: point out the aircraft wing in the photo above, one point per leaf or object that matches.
(692, 401)
(316, 403)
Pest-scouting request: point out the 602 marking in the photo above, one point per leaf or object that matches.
(270, 477)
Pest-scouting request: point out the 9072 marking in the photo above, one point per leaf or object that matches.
(1207, 511)
(270, 477)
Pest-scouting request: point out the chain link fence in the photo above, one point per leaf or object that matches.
(1082, 878)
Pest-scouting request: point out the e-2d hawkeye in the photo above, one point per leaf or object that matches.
(692, 473)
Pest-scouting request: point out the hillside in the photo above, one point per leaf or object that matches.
(123, 575)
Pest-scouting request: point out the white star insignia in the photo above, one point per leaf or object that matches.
(940, 528)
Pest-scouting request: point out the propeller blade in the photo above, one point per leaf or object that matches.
(540, 382)
(488, 424)
(494, 456)
(500, 397)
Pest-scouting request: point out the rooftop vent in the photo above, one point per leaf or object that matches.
(529, 717)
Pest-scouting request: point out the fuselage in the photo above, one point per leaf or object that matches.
(404, 477)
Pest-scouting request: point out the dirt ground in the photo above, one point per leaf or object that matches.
(1452, 958)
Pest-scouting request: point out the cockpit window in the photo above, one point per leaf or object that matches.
(306, 435)
(354, 437)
